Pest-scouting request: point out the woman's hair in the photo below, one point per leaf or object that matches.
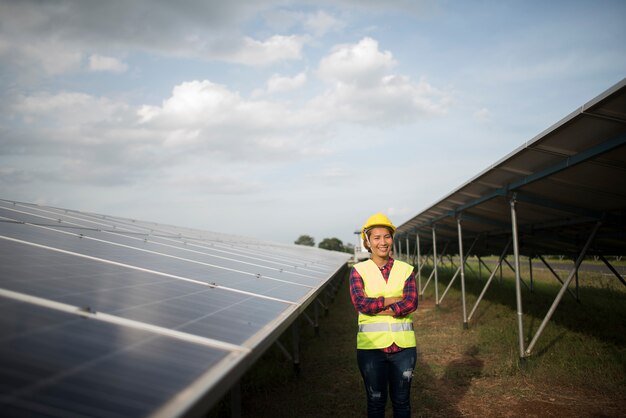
(368, 231)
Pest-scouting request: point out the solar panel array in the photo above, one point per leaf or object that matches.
(563, 181)
(106, 316)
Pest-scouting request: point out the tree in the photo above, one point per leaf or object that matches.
(305, 240)
(333, 244)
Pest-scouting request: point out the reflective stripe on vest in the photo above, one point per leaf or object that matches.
(383, 327)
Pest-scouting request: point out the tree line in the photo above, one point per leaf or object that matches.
(333, 244)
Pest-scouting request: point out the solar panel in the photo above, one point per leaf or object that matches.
(97, 311)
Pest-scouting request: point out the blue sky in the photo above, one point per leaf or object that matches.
(273, 119)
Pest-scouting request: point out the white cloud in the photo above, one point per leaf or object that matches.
(365, 91)
(321, 23)
(103, 63)
(278, 83)
(359, 64)
(253, 52)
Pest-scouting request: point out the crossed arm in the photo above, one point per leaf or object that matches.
(395, 306)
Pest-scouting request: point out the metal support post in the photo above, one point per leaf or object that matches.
(295, 334)
(559, 296)
(480, 270)
(513, 270)
(518, 290)
(545, 263)
(235, 400)
(435, 266)
(323, 306)
(615, 272)
(419, 265)
(316, 316)
(480, 260)
(530, 269)
(407, 248)
(462, 268)
(399, 250)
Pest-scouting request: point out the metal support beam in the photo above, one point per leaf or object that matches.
(462, 268)
(559, 296)
(530, 269)
(480, 260)
(518, 290)
(295, 336)
(235, 400)
(615, 272)
(419, 265)
(545, 263)
(435, 266)
(513, 270)
(407, 248)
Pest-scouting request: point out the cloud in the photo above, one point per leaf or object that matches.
(51, 38)
(363, 89)
(317, 23)
(100, 140)
(250, 51)
(360, 64)
(279, 84)
(103, 63)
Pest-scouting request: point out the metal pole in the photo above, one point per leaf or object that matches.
(530, 269)
(543, 260)
(295, 332)
(435, 266)
(462, 267)
(615, 272)
(316, 315)
(407, 248)
(518, 290)
(419, 265)
(559, 296)
(235, 400)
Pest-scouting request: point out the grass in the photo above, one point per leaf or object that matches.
(577, 368)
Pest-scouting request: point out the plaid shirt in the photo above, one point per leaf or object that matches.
(371, 306)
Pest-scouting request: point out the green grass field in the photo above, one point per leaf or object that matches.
(577, 368)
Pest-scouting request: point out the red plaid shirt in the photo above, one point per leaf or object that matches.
(371, 306)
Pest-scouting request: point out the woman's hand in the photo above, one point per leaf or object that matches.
(387, 311)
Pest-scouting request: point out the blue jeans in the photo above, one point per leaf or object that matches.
(381, 371)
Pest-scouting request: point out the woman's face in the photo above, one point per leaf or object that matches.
(381, 241)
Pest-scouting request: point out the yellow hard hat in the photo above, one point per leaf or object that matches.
(378, 219)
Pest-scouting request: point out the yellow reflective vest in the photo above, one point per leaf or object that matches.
(380, 331)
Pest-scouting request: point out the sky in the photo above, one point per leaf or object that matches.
(275, 119)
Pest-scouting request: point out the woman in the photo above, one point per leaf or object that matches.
(383, 291)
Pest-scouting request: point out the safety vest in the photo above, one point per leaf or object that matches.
(380, 331)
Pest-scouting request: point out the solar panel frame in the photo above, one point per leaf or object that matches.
(80, 263)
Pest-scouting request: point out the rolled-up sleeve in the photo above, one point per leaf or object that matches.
(408, 303)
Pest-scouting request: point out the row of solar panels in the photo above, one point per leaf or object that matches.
(103, 316)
